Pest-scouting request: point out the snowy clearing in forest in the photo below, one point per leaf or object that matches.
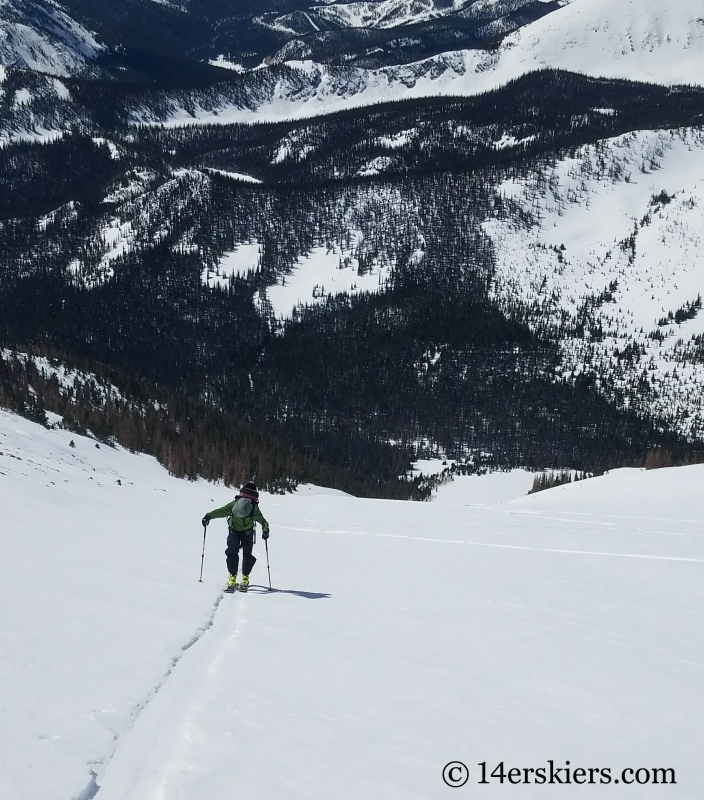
(482, 626)
(225, 63)
(324, 272)
(242, 261)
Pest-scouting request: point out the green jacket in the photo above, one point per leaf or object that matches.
(237, 524)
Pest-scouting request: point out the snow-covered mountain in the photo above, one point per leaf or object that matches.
(40, 35)
(248, 225)
(131, 202)
(653, 41)
(374, 14)
(506, 268)
(611, 253)
(657, 43)
(386, 13)
(148, 35)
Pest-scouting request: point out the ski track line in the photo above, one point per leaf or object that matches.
(530, 529)
(540, 513)
(613, 527)
(531, 513)
(502, 546)
(93, 787)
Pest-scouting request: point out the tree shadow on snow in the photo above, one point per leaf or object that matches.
(309, 595)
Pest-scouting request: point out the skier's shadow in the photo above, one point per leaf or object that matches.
(308, 595)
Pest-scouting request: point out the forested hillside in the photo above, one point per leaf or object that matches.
(191, 439)
(332, 281)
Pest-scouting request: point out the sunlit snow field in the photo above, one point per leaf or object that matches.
(482, 626)
(655, 41)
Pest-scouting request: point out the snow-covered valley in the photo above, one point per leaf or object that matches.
(482, 626)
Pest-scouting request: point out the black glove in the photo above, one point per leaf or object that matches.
(265, 535)
(206, 520)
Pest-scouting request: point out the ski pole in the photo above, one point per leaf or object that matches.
(202, 558)
(268, 569)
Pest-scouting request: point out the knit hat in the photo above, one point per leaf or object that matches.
(249, 490)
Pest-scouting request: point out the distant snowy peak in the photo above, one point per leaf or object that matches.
(41, 36)
(386, 14)
(381, 14)
(655, 41)
(617, 39)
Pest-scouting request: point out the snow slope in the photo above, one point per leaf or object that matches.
(655, 41)
(41, 36)
(564, 626)
(600, 217)
(90, 601)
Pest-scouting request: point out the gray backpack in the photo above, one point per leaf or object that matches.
(243, 508)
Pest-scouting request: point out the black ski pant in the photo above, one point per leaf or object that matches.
(235, 540)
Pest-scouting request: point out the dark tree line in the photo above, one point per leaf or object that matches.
(191, 439)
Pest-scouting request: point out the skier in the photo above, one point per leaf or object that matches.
(241, 515)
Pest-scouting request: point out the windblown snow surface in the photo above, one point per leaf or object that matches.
(613, 248)
(482, 626)
(655, 41)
